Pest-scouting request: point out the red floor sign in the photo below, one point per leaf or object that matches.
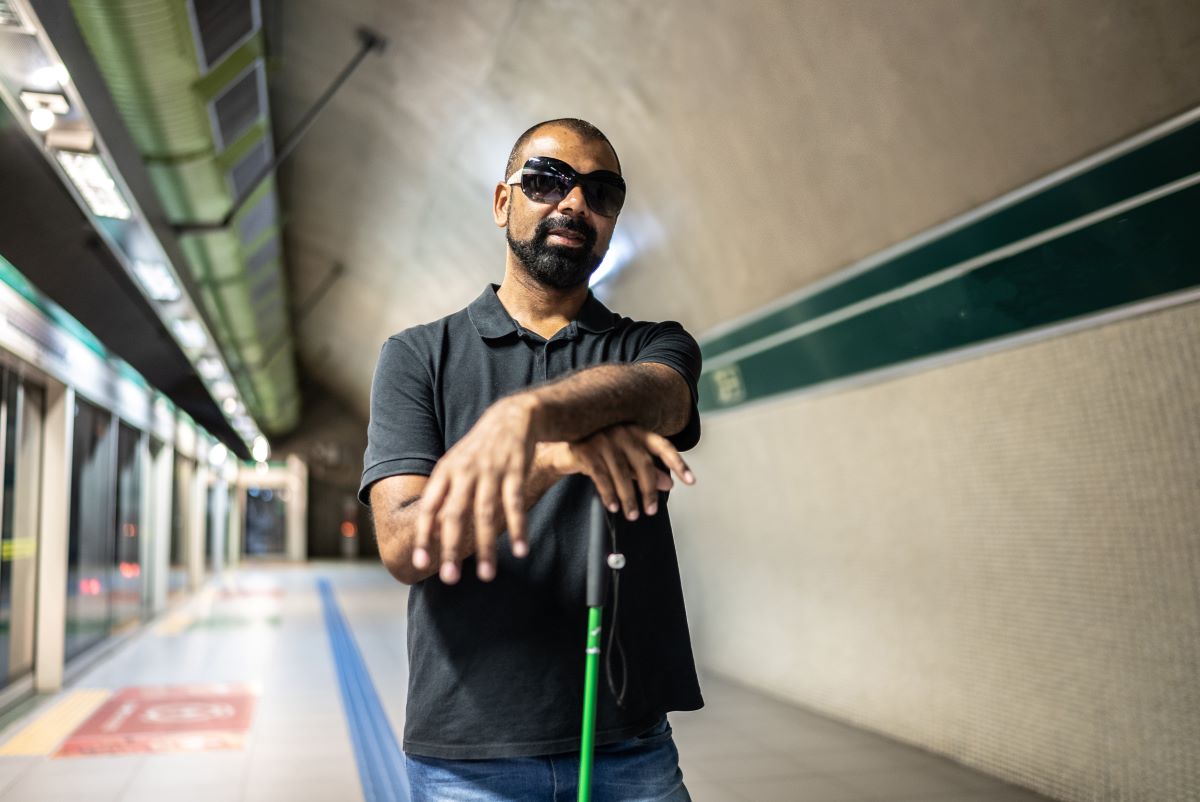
(180, 718)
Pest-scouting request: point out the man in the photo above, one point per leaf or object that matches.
(528, 402)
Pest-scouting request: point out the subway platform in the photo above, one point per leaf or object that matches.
(273, 681)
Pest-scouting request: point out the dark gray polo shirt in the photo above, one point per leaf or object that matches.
(496, 669)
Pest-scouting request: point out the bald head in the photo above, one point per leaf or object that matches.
(581, 128)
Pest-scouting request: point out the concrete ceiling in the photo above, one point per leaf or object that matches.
(765, 144)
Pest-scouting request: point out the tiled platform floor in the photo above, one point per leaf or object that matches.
(269, 631)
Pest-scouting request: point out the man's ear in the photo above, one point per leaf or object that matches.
(500, 201)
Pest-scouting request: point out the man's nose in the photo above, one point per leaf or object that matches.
(573, 203)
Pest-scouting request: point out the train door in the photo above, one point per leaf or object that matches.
(21, 418)
(90, 542)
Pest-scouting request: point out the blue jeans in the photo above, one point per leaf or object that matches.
(644, 768)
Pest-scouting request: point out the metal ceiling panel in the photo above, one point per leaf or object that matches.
(256, 222)
(239, 106)
(221, 26)
(262, 258)
(248, 168)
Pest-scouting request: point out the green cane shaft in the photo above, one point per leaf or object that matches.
(587, 747)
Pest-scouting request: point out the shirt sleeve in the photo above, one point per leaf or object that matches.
(669, 344)
(403, 435)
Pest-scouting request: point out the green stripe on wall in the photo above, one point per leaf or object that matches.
(1135, 255)
(1165, 159)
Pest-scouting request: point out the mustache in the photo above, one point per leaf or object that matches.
(573, 224)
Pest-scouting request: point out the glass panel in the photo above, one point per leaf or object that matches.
(180, 500)
(127, 564)
(8, 431)
(22, 481)
(90, 548)
(209, 493)
(265, 533)
(151, 530)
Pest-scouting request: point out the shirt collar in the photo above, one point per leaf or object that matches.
(492, 320)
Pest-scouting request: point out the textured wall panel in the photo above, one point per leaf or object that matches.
(996, 560)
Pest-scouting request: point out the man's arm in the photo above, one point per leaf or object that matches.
(652, 395)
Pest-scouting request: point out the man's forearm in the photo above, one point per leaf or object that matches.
(650, 395)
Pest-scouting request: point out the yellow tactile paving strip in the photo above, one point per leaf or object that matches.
(43, 735)
(174, 623)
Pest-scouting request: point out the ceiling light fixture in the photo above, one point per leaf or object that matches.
(89, 175)
(51, 101)
(190, 334)
(210, 368)
(261, 449)
(158, 281)
(50, 76)
(42, 120)
(223, 389)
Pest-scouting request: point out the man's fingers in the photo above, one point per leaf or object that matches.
(664, 480)
(619, 471)
(513, 492)
(596, 469)
(427, 518)
(486, 526)
(661, 447)
(454, 516)
(643, 466)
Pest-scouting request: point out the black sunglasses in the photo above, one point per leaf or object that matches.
(547, 180)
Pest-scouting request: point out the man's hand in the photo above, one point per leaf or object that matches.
(482, 475)
(615, 457)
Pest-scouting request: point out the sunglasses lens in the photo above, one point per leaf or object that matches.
(544, 187)
(604, 198)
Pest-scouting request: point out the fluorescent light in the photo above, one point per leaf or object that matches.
(89, 175)
(261, 449)
(217, 455)
(190, 334)
(50, 76)
(230, 405)
(42, 120)
(158, 281)
(210, 368)
(223, 389)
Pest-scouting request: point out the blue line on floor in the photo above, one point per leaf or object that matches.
(380, 761)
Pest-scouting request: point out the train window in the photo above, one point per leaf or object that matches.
(90, 545)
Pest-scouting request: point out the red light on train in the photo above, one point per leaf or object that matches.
(349, 529)
(89, 587)
(130, 570)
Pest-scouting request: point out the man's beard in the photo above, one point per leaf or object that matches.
(558, 266)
